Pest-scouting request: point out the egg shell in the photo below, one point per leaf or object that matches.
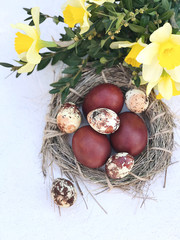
(103, 120)
(63, 192)
(136, 100)
(69, 118)
(105, 95)
(90, 148)
(131, 136)
(119, 165)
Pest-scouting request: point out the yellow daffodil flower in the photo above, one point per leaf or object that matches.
(161, 61)
(100, 2)
(75, 12)
(28, 45)
(136, 48)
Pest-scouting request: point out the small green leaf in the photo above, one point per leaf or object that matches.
(70, 70)
(137, 81)
(165, 4)
(53, 91)
(137, 28)
(152, 26)
(167, 15)
(43, 64)
(17, 75)
(64, 94)
(69, 32)
(6, 65)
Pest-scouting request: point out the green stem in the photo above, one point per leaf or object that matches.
(47, 44)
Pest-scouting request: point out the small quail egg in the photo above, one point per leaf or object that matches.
(119, 165)
(103, 120)
(136, 100)
(63, 192)
(68, 118)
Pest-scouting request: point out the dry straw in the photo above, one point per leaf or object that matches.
(154, 159)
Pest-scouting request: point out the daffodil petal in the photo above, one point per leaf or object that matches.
(29, 30)
(85, 26)
(175, 74)
(74, 3)
(150, 86)
(165, 87)
(35, 16)
(33, 55)
(23, 57)
(121, 44)
(161, 34)
(147, 55)
(26, 68)
(175, 38)
(152, 73)
(177, 85)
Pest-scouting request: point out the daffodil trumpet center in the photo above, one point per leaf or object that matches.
(73, 15)
(169, 54)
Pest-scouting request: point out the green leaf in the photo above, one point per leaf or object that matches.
(167, 15)
(17, 75)
(71, 70)
(120, 18)
(165, 4)
(137, 28)
(69, 32)
(64, 94)
(53, 91)
(57, 85)
(128, 4)
(152, 27)
(144, 20)
(28, 10)
(76, 79)
(137, 81)
(7, 65)
(43, 64)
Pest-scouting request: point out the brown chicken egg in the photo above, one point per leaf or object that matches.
(103, 120)
(90, 148)
(136, 100)
(119, 165)
(131, 136)
(69, 118)
(105, 95)
(63, 192)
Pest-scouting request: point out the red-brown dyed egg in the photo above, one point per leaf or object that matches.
(131, 136)
(90, 148)
(119, 165)
(105, 95)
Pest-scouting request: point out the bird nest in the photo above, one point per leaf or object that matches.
(154, 159)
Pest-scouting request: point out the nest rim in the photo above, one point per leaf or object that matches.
(154, 159)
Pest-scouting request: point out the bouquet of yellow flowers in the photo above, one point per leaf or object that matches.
(143, 35)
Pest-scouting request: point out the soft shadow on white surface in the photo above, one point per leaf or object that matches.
(26, 210)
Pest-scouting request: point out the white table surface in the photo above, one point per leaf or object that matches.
(26, 210)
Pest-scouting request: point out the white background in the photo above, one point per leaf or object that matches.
(26, 210)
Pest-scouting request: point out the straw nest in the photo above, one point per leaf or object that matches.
(153, 160)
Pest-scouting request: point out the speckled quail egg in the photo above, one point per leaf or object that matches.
(103, 120)
(119, 165)
(69, 118)
(63, 192)
(136, 100)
